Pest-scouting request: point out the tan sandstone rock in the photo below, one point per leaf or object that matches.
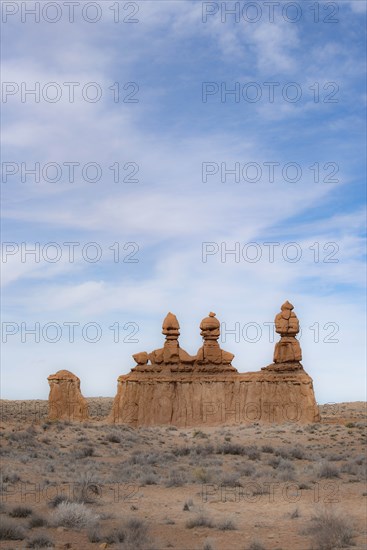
(287, 352)
(65, 400)
(171, 353)
(206, 390)
(211, 353)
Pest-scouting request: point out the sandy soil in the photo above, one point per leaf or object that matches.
(242, 487)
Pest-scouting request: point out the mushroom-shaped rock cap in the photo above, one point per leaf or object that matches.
(287, 305)
(170, 322)
(210, 323)
(63, 375)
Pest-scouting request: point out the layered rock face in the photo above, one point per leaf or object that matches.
(170, 387)
(65, 400)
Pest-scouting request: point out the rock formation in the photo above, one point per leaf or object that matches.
(169, 386)
(210, 353)
(65, 400)
(170, 354)
(287, 352)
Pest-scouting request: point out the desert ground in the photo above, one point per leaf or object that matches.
(95, 485)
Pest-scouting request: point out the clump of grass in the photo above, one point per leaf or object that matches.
(208, 545)
(231, 449)
(256, 545)
(10, 530)
(182, 451)
(297, 452)
(285, 470)
(57, 500)
(248, 470)
(334, 457)
(9, 476)
(94, 534)
(116, 536)
(133, 534)
(21, 512)
(74, 515)
(202, 475)
(84, 452)
(40, 542)
(203, 450)
(175, 479)
(200, 434)
(37, 521)
(87, 489)
(200, 520)
(252, 452)
(149, 479)
(21, 436)
(267, 449)
(113, 438)
(227, 525)
(328, 471)
(330, 531)
(231, 480)
(274, 461)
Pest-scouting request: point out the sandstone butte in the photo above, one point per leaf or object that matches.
(170, 387)
(65, 401)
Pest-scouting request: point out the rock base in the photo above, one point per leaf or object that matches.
(216, 396)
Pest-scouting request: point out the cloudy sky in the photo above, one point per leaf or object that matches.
(181, 156)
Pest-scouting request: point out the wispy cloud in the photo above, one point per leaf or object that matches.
(171, 211)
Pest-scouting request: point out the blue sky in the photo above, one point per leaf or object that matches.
(171, 57)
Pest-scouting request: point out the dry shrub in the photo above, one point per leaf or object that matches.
(74, 515)
(208, 545)
(330, 531)
(37, 521)
(200, 520)
(227, 525)
(21, 512)
(41, 541)
(10, 530)
(328, 471)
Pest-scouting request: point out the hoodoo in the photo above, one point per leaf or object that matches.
(170, 387)
(65, 400)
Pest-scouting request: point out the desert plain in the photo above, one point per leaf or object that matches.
(92, 485)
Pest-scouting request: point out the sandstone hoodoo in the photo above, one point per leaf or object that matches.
(210, 353)
(65, 401)
(170, 387)
(287, 352)
(170, 354)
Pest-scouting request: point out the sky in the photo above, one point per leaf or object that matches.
(184, 156)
